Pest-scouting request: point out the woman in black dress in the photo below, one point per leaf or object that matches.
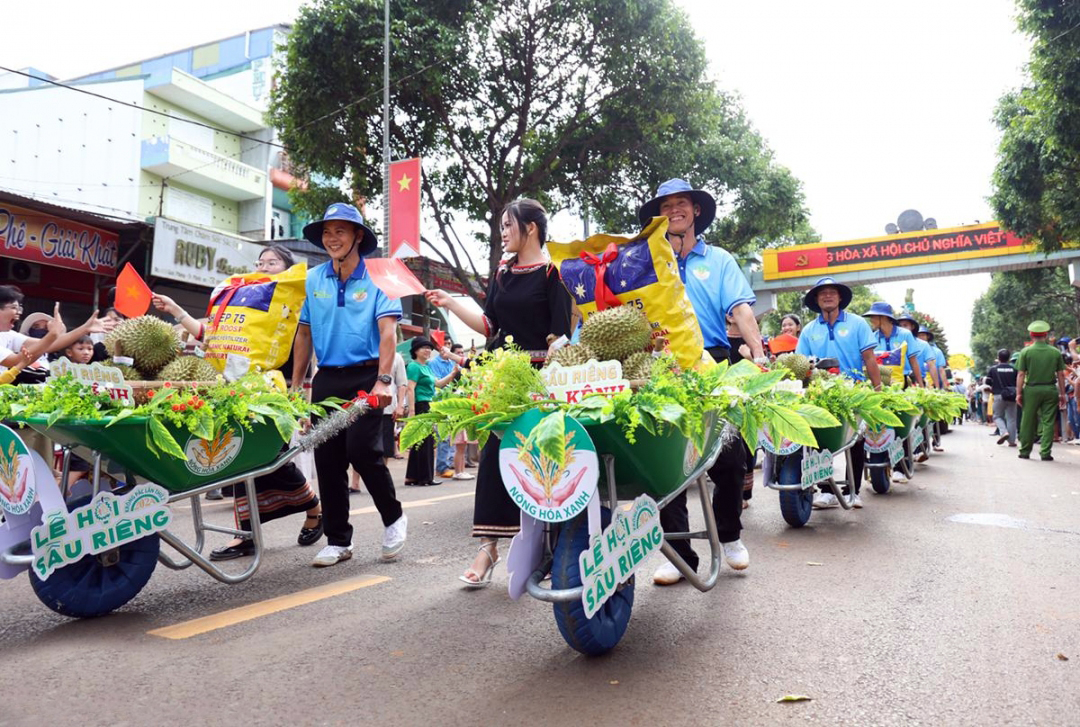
(280, 493)
(526, 301)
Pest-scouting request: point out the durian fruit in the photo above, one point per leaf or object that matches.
(796, 363)
(150, 341)
(188, 368)
(819, 374)
(886, 375)
(615, 333)
(638, 366)
(574, 354)
(130, 374)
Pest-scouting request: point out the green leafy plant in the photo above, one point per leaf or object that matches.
(938, 404)
(203, 411)
(851, 402)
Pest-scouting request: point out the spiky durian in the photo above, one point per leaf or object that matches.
(796, 363)
(573, 355)
(638, 366)
(130, 373)
(150, 341)
(188, 368)
(615, 333)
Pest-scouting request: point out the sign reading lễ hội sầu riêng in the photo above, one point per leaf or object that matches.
(816, 467)
(106, 522)
(615, 553)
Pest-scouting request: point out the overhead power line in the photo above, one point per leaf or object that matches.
(141, 108)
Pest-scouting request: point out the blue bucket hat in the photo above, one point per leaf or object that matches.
(348, 213)
(679, 186)
(881, 308)
(810, 299)
(927, 331)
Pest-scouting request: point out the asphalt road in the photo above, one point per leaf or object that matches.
(949, 601)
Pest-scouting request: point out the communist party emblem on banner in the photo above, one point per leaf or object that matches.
(405, 208)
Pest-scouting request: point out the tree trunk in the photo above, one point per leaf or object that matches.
(495, 250)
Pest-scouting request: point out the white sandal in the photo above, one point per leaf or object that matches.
(483, 580)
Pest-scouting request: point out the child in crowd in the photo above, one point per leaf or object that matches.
(81, 351)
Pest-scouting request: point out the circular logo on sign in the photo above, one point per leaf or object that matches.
(536, 483)
(210, 456)
(786, 445)
(879, 441)
(690, 458)
(18, 488)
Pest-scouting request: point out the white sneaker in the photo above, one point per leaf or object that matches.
(856, 502)
(332, 555)
(394, 538)
(898, 476)
(736, 555)
(667, 575)
(463, 476)
(825, 500)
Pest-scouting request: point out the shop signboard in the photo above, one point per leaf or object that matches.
(37, 237)
(199, 256)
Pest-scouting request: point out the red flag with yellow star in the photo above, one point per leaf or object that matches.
(132, 293)
(405, 208)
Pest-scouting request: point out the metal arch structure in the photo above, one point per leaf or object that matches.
(976, 248)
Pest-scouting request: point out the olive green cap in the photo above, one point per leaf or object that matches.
(1039, 327)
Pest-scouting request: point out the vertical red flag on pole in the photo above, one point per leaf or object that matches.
(405, 208)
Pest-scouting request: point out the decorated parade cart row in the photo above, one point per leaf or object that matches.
(592, 446)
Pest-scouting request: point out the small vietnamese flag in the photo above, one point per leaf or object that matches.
(392, 277)
(132, 293)
(439, 337)
(404, 206)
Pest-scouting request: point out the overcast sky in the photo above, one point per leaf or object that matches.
(877, 107)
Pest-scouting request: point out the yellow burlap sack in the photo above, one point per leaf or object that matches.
(608, 270)
(253, 319)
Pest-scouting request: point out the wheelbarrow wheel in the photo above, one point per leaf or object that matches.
(795, 505)
(100, 583)
(599, 634)
(879, 476)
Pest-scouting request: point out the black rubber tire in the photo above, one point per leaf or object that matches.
(879, 480)
(89, 588)
(795, 505)
(599, 634)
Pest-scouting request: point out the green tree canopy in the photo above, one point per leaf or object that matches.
(1038, 169)
(572, 102)
(1000, 317)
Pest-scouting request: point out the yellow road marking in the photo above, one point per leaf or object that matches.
(233, 616)
(414, 503)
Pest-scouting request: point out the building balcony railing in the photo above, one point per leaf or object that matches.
(206, 170)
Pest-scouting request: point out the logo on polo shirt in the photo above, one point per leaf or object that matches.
(701, 272)
(360, 296)
(842, 331)
(320, 294)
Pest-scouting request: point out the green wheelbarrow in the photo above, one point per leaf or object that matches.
(661, 465)
(91, 550)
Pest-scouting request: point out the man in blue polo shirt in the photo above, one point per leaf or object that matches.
(837, 334)
(923, 351)
(352, 326)
(927, 336)
(716, 288)
(891, 336)
(442, 367)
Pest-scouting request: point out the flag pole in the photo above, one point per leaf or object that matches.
(386, 129)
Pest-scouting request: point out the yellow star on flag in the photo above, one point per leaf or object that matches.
(404, 182)
(133, 291)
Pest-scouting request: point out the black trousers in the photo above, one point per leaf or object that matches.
(727, 476)
(421, 465)
(359, 445)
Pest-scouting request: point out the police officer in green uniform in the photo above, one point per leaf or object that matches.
(1040, 390)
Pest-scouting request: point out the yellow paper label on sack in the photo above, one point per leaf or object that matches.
(256, 316)
(644, 274)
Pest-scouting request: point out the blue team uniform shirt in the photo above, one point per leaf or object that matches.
(439, 366)
(923, 354)
(844, 340)
(941, 361)
(899, 336)
(715, 285)
(345, 315)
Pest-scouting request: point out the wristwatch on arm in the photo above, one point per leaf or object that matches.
(385, 379)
